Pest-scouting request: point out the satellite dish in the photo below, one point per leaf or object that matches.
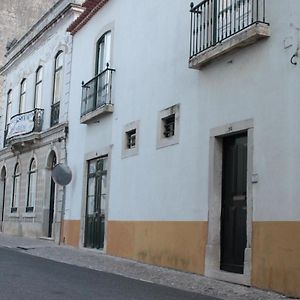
(61, 174)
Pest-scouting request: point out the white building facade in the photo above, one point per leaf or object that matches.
(190, 168)
(34, 125)
(182, 137)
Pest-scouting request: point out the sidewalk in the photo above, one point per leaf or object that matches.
(95, 260)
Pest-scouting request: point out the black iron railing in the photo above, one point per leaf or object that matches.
(213, 21)
(97, 91)
(23, 123)
(54, 114)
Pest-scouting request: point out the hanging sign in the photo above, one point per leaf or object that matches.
(21, 124)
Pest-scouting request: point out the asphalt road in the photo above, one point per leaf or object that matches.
(23, 276)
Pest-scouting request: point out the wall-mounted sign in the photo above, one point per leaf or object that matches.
(21, 124)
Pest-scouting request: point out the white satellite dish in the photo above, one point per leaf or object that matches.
(62, 174)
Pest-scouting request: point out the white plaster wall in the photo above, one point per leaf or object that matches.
(150, 53)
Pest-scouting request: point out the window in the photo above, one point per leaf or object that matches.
(8, 115)
(38, 87)
(130, 139)
(57, 88)
(22, 96)
(16, 188)
(102, 63)
(8, 107)
(32, 180)
(103, 52)
(97, 92)
(168, 126)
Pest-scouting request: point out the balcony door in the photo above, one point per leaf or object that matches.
(102, 63)
(96, 203)
(232, 16)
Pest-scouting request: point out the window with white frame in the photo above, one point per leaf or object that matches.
(8, 107)
(38, 87)
(16, 188)
(22, 103)
(32, 183)
(57, 88)
(168, 126)
(58, 73)
(103, 52)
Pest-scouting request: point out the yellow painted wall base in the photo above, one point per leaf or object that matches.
(178, 245)
(276, 257)
(71, 232)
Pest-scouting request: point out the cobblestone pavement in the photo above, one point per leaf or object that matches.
(98, 261)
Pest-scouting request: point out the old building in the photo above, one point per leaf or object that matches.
(34, 124)
(190, 167)
(15, 21)
(182, 135)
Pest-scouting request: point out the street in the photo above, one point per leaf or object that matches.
(27, 277)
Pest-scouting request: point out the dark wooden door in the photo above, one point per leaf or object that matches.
(95, 208)
(52, 201)
(3, 199)
(234, 203)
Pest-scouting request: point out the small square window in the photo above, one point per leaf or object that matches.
(131, 139)
(168, 127)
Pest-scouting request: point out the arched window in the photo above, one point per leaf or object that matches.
(32, 181)
(16, 188)
(22, 96)
(103, 52)
(57, 88)
(38, 87)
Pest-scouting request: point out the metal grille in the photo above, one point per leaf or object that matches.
(54, 114)
(213, 21)
(131, 139)
(169, 125)
(97, 91)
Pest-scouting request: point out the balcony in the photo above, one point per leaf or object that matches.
(219, 27)
(24, 128)
(96, 97)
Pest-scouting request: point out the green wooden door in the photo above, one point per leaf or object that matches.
(234, 203)
(95, 204)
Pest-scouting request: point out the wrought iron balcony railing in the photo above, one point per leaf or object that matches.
(54, 114)
(213, 21)
(24, 123)
(96, 93)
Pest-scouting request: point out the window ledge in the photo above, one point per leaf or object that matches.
(95, 114)
(242, 39)
(29, 215)
(13, 215)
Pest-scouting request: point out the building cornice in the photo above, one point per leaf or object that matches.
(91, 8)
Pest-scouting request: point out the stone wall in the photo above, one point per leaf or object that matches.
(17, 17)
